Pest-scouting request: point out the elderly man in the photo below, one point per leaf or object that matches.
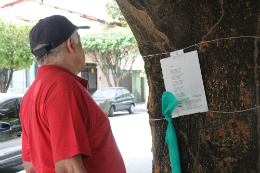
(64, 130)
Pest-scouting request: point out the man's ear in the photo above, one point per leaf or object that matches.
(70, 45)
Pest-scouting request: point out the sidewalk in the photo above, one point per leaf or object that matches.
(138, 165)
(141, 107)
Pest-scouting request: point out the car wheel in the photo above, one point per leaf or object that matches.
(131, 109)
(111, 113)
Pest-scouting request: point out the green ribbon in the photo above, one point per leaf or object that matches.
(169, 103)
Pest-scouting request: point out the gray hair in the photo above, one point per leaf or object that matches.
(56, 52)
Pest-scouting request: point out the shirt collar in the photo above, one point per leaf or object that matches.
(46, 68)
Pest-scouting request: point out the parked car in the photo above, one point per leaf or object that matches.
(10, 130)
(120, 99)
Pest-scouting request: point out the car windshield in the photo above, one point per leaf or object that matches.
(106, 93)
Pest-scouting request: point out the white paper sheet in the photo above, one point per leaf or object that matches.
(182, 77)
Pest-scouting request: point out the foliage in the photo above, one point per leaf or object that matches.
(114, 50)
(115, 13)
(15, 53)
(110, 39)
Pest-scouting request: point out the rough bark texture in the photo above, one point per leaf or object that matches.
(5, 79)
(208, 142)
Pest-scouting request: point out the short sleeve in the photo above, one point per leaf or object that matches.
(26, 155)
(67, 124)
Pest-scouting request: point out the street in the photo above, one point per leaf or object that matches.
(133, 136)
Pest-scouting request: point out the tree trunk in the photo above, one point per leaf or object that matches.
(5, 79)
(208, 142)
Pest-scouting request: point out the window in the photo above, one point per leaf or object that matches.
(90, 73)
(92, 80)
(27, 76)
(106, 93)
(11, 84)
(9, 120)
(125, 92)
(8, 111)
(118, 93)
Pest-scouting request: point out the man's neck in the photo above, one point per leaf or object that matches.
(65, 62)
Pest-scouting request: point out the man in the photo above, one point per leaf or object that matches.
(64, 130)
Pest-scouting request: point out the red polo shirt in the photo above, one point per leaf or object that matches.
(60, 119)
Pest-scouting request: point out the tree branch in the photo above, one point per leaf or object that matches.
(9, 79)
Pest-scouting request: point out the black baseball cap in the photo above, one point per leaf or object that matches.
(53, 30)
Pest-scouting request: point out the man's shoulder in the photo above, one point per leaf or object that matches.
(54, 72)
(53, 81)
(58, 77)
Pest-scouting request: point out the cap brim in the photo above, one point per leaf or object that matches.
(82, 27)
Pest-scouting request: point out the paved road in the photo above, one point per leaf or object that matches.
(133, 136)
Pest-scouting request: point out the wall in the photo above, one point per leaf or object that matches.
(137, 79)
(101, 78)
(19, 80)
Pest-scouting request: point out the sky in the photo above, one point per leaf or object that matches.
(34, 11)
(95, 8)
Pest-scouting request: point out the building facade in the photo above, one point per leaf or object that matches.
(22, 79)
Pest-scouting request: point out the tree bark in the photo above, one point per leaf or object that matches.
(208, 142)
(5, 79)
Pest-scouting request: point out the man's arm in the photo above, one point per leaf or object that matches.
(28, 166)
(70, 165)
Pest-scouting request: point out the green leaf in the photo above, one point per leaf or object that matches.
(113, 50)
(14, 42)
(115, 13)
